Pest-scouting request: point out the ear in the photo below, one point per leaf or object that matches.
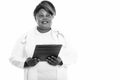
(35, 17)
(36, 20)
(52, 17)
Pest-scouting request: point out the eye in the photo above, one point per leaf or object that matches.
(48, 15)
(41, 15)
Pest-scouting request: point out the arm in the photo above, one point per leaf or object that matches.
(18, 55)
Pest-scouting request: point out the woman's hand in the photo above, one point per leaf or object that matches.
(52, 60)
(31, 62)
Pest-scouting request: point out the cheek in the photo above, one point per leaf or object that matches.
(50, 20)
(38, 21)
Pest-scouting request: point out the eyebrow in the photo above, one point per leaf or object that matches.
(42, 13)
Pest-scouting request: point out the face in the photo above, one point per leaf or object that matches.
(44, 19)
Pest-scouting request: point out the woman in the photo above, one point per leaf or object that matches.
(54, 68)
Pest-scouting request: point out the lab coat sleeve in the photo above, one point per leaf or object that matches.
(18, 55)
(67, 54)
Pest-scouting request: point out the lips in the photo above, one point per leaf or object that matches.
(44, 22)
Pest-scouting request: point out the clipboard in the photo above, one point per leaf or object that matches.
(43, 51)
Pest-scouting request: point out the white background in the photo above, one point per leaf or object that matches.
(91, 26)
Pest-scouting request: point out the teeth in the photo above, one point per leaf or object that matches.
(44, 22)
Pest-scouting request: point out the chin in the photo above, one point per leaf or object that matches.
(45, 27)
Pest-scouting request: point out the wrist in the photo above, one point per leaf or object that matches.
(60, 63)
(25, 64)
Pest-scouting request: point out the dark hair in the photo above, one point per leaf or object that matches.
(47, 6)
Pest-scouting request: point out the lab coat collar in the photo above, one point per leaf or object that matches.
(39, 33)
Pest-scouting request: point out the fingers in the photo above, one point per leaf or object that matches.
(51, 62)
(36, 59)
(28, 59)
(51, 59)
(58, 59)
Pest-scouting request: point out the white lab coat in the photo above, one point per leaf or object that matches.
(25, 46)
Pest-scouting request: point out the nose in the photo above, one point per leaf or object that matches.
(44, 16)
(44, 19)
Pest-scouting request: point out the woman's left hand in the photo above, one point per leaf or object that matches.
(52, 60)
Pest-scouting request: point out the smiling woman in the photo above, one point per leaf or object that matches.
(53, 68)
(44, 13)
(43, 20)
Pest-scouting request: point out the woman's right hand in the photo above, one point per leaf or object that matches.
(30, 62)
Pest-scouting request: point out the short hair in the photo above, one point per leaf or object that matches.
(47, 6)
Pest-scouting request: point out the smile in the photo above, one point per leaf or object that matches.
(44, 22)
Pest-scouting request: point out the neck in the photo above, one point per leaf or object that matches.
(42, 30)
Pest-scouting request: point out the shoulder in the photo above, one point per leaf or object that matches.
(58, 34)
(22, 39)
